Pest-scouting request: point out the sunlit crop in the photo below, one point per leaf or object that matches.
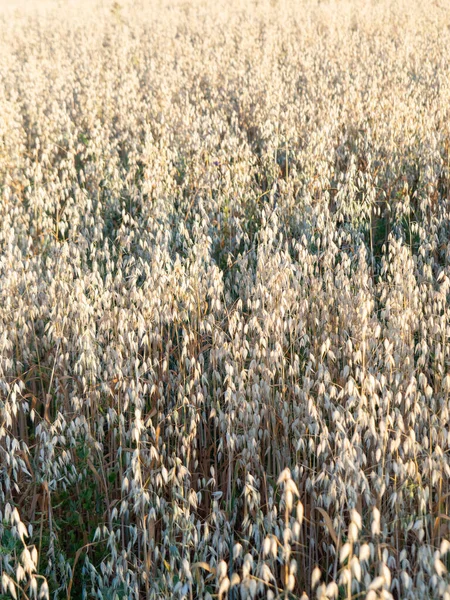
(224, 299)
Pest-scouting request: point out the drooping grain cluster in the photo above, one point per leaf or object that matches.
(224, 286)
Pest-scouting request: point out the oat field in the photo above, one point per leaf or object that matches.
(224, 299)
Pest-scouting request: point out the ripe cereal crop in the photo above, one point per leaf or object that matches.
(224, 299)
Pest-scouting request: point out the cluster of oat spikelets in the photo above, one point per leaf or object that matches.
(224, 286)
